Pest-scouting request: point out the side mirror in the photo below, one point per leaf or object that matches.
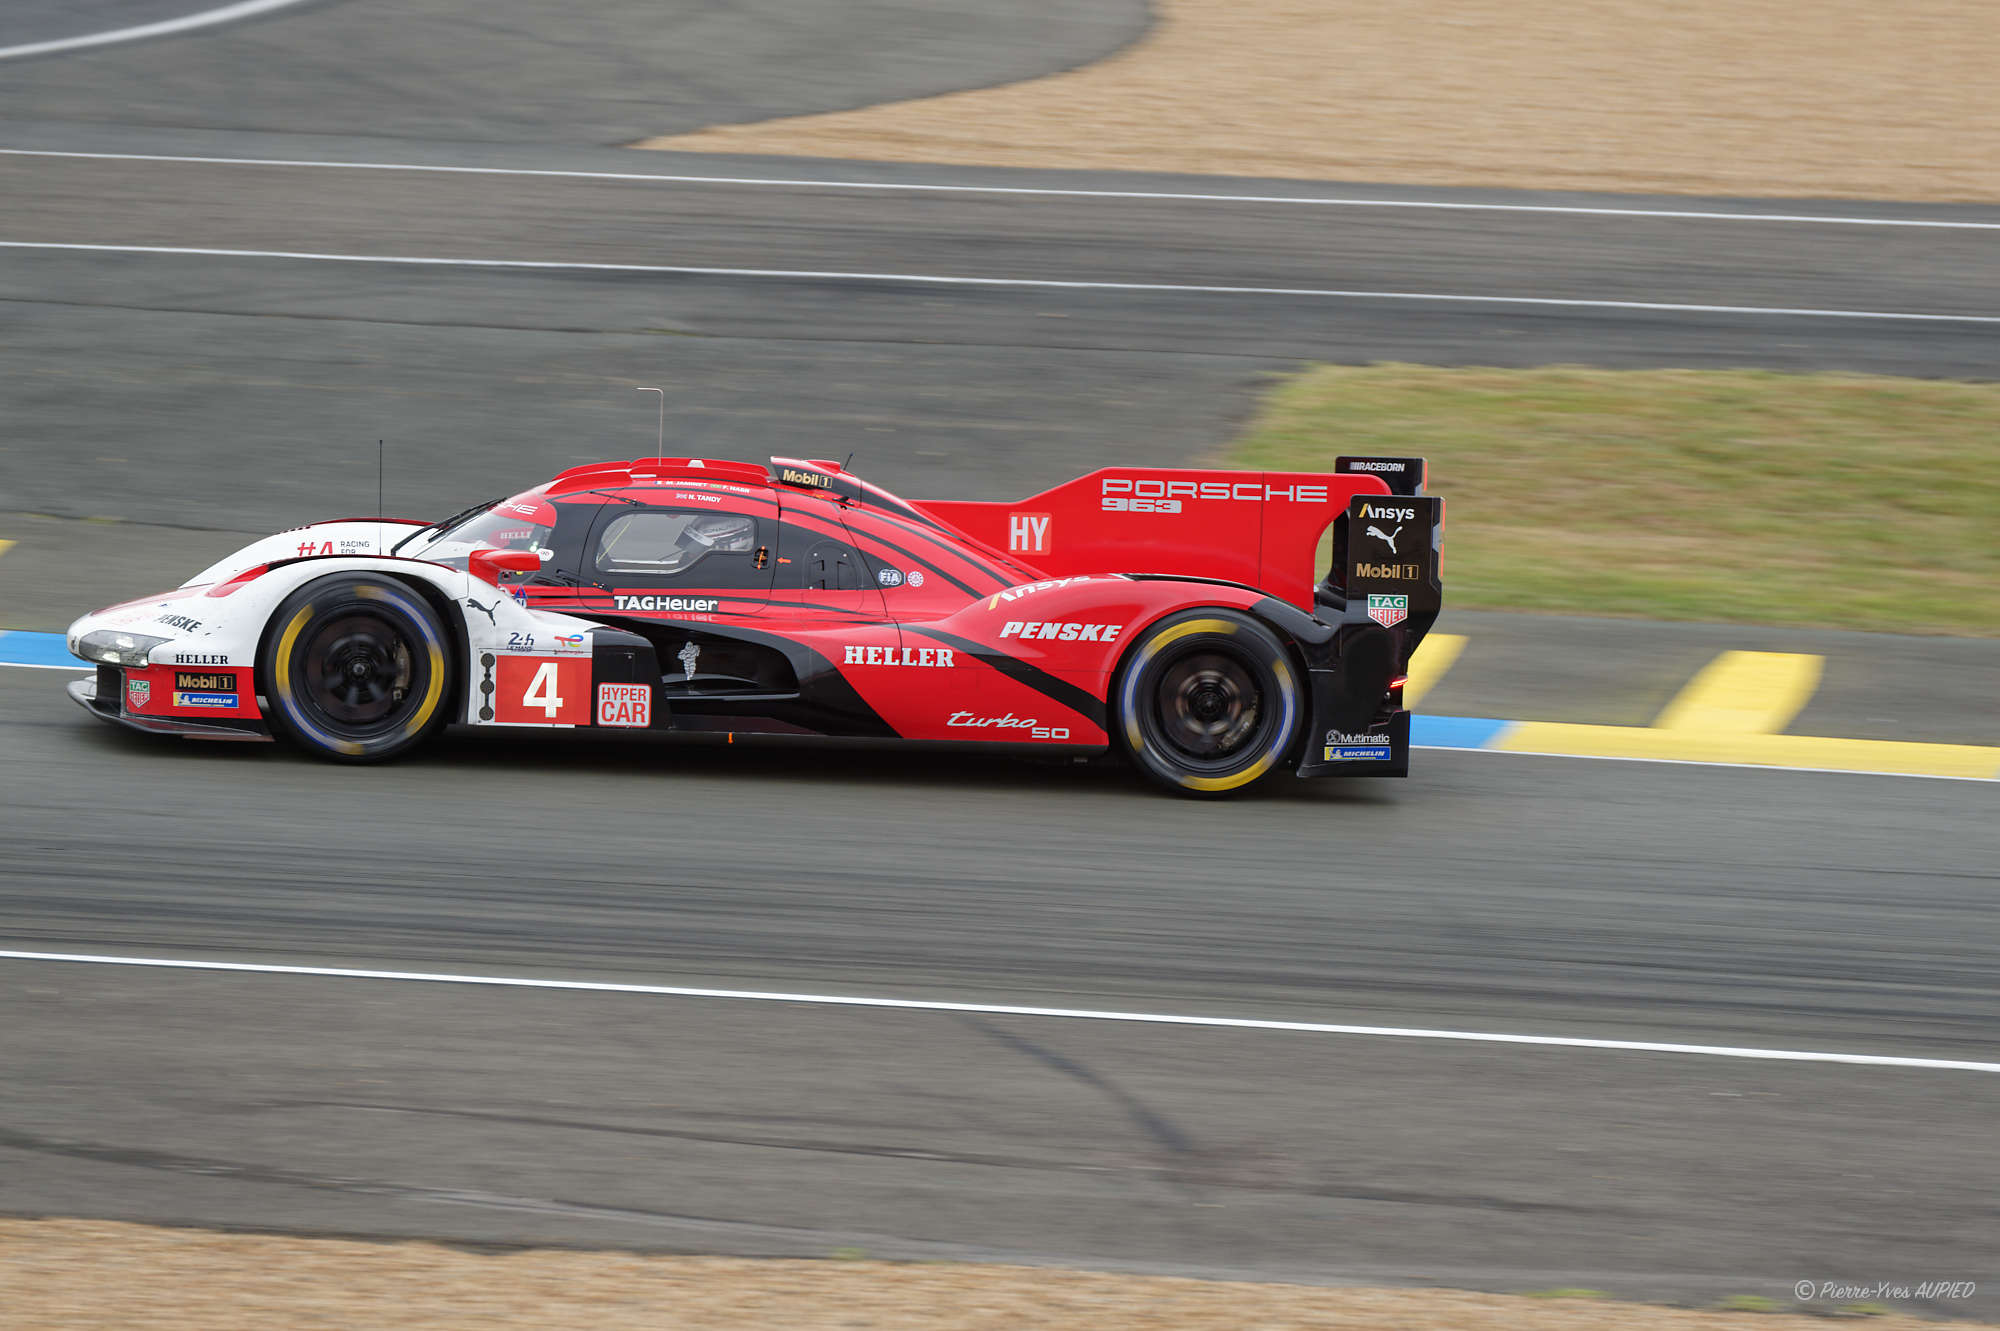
(489, 564)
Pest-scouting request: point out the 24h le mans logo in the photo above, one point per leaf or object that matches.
(1388, 611)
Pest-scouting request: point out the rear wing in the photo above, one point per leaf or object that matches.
(1261, 528)
(1388, 551)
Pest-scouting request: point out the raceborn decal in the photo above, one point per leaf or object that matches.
(1386, 610)
(900, 656)
(1066, 632)
(1028, 533)
(625, 705)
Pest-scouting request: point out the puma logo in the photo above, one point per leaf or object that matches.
(1387, 537)
(487, 610)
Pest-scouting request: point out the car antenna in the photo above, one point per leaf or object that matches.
(379, 446)
(848, 466)
(660, 449)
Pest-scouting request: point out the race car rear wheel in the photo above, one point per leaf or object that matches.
(355, 668)
(1208, 702)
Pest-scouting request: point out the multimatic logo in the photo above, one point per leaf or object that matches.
(1365, 748)
(684, 603)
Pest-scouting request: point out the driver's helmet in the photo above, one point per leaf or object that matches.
(720, 533)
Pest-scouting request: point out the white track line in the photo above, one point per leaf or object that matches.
(165, 28)
(781, 182)
(1011, 1010)
(950, 280)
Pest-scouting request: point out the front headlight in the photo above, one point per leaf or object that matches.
(115, 647)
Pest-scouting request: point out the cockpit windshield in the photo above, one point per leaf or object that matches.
(524, 522)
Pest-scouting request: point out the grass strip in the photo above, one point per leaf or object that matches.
(1812, 500)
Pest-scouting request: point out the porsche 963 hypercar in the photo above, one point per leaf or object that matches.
(1173, 616)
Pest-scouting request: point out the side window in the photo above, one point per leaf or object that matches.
(704, 549)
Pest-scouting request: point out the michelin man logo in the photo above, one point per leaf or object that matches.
(689, 655)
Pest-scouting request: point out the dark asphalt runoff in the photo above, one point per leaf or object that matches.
(157, 408)
(1488, 893)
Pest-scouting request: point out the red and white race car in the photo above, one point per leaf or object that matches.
(1172, 615)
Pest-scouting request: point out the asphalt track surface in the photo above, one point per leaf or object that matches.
(194, 397)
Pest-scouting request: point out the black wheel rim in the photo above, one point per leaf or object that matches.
(1209, 709)
(359, 672)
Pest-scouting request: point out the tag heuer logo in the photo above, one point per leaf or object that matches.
(137, 691)
(1388, 611)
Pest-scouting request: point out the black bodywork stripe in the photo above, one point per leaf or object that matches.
(1041, 681)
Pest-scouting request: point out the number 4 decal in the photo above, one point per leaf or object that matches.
(542, 690)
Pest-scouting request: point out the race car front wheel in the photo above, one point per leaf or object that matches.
(1208, 702)
(355, 668)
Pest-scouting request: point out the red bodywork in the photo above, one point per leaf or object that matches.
(961, 621)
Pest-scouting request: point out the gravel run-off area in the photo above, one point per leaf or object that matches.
(1837, 98)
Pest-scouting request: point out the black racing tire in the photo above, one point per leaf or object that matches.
(1208, 702)
(355, 668)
